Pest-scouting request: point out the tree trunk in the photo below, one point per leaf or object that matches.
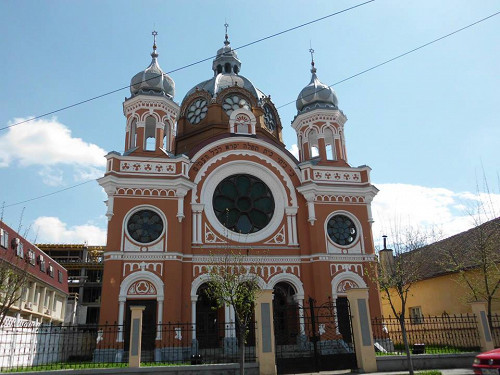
(241, 348)
(407, 347)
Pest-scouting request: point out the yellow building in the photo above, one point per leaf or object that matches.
(447, 274)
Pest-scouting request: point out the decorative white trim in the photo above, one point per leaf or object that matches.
(161, 238)
(278, 239)
(346, 276)
(147, 167)
(211, 237)
(357, 246)
(247, 167)
(129, 267)
(141, 275)
(242, 115)
(288, 278)
(336, 176)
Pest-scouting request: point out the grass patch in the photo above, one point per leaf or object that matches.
(430, 372)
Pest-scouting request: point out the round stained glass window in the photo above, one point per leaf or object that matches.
(341, 230)
(243, 203)
(145, 226)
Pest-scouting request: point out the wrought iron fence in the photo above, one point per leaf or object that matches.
(428, 334)
(495, 329)
(47, 347)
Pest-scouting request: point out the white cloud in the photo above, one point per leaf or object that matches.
(294, 150)
(48, 143)
(423, 207)
(53, 230)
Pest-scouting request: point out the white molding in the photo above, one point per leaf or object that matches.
(247, 167)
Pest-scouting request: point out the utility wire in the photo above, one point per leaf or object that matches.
(186, 66)
(341, 81)
(402, 55)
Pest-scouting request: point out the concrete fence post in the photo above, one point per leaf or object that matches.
(265, 349)
(362, 329)
(479, 309)
(134, 354)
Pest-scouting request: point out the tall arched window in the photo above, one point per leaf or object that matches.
(313, 143)
(132, 141)
(166, 137)
(329, 145)
(150, 134)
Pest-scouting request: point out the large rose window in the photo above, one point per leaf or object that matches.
(243, 203)
(145, 226)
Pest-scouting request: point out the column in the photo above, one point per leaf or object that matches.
(134, 356)
(479, 309)
(194, 299)
(159, 317)
(362, 329)
(265, 348)
(121, 317)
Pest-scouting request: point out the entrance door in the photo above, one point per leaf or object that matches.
(148, 325)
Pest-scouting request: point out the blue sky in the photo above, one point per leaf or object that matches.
(427, 124)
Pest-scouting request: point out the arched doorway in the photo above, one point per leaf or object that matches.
(209, 320)
(286, 314)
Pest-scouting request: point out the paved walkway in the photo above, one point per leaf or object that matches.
(457, 371)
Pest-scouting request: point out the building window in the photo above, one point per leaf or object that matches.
(4, 238)
(59, 276)
(50, 270)
(42, 264)
(20, 250)
(416, 316)
(31, 257)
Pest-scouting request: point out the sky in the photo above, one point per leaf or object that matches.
(426, 123)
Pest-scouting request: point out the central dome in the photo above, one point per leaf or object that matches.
(226, 67)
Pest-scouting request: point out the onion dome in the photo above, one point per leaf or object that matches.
(316, 94)
(153, 80)
(226, 67)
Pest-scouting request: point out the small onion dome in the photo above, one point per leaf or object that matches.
(316, 95)
(153, 80)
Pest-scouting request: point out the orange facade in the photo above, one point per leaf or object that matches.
(213, 175)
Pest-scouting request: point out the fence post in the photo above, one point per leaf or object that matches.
(480, 311)
(362, 329)
(264, 345)
(134, 354)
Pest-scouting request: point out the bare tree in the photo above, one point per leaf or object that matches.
(14, 277)
(233, 281)
(398, 270)
(474, 256)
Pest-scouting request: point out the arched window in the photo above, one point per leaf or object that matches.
(227, 68)
(329, 145)
(313, 143)
(166, 137)
(132, 141)
(150, 134)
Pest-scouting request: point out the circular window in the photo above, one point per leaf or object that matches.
(341, 230)
(197, 111)
(269, 119)
(145, 226)
(234, 102)
(243, 203)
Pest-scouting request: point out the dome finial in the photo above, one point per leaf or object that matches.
(313, 68)
(154, 33)
(226, 41)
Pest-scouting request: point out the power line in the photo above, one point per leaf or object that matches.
(403, 54)
(186, 66)
(341, 81)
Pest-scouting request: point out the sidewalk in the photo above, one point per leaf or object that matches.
(456, 371)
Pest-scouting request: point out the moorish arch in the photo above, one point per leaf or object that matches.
(346, 280)
(140, 285)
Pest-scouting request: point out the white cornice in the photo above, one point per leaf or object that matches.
(333, 115)
(110, 183)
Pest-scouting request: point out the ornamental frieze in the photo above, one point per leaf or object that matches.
(156, 168)
(336, 176)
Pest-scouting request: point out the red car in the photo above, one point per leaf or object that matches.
(487, 363)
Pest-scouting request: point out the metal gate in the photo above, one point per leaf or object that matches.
(313, 338)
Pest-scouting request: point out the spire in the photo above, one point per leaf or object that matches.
(226, 41)
(154, 54)
(313, 68)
